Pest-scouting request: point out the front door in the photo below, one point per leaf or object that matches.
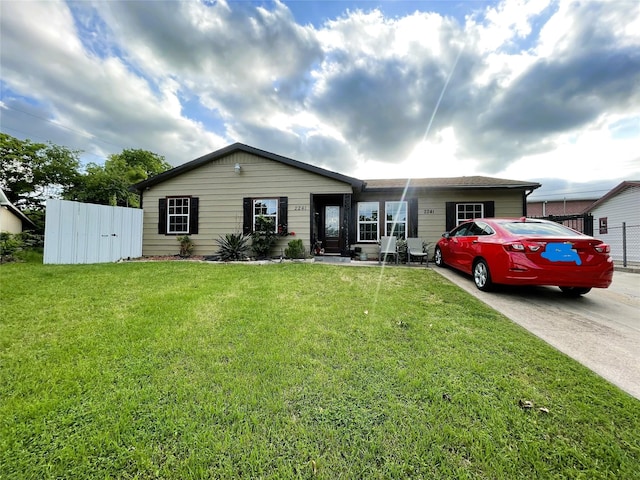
(331, 229)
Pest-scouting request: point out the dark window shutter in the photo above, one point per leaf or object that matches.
(283, 210)
(193, 215)
(345, 230)
(413, 217)
(247, 216)
(162, 215)
(353, 223)
(450, 221)
(489, 209)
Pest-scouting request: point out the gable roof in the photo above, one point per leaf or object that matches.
(472, 182)
(613, 192)
(240, 147)
(4, 201)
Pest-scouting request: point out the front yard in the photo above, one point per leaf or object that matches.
(183, 370)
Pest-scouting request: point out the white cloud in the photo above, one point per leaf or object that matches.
(536, 83)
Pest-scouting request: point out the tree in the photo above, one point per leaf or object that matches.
(109, 184)
(31, 172)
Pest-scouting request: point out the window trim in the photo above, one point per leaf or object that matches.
(275, 216)
(460, 220)
(368, 222)
(186, 215)
(388, 223)
(603, 225)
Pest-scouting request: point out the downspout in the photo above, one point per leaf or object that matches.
(524, 201)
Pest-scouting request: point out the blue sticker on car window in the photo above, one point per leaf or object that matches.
(561, 252)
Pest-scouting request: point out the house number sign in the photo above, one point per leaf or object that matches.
(429, 211)
(299, 208)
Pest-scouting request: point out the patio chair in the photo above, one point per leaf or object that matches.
(388, 246)
(415, 249)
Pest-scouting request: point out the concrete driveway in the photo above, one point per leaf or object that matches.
(601, 330)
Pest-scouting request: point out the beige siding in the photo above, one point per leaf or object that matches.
(9, 222)
(508, 203)
(432, 209)
(221, 191)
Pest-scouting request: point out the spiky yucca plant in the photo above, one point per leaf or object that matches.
(233, 246)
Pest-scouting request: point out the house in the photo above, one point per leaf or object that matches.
(12, 220)
(227, 190)
(617, 221)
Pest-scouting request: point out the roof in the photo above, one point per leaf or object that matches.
(239, 147)
(4, 201)
(613, 192)
(473, 182)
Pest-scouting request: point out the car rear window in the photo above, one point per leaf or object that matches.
(539, 228)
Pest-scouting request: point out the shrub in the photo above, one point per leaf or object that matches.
(10, 245)
(264, 238)
(186, 246)
(233, 246)
(295, 249)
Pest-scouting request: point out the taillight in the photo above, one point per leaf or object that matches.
(602, 248)
(523, 247)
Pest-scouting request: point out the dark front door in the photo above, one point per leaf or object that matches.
(331, 229)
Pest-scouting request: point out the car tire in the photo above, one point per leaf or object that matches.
(575, 291)
(482, 276)
(437, 258)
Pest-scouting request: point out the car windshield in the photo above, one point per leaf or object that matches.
(539, 228)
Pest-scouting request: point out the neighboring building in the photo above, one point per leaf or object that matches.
(616, 221)
(12, 220)
(224, 191)
(557, 208)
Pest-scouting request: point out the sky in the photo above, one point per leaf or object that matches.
(546, 90)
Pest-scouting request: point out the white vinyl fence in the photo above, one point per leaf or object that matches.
(87, 233)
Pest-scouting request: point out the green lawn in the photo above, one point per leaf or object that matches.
(183, 370)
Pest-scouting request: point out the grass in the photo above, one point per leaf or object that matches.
(182, 370)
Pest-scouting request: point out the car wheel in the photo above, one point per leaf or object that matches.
(575, 291)
(482, 276)
(438, 257)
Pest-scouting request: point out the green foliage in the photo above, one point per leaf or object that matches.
(233, 246)
(31, 172)
(264, 237)
(186, 245)
(295, 249)
(401, 246)
(15, 246)
(10, 245)
(109, 184)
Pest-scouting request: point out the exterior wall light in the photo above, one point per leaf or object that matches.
(237, 168)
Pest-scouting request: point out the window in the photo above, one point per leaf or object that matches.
(272, 209)
(265, 212)
(396, 219)
(468, 211)
(368, 221)
(603, 225)
(178, 215)
(456, 213)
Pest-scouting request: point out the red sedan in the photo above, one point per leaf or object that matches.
(526, 251)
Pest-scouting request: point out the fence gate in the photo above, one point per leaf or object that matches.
(582, 222)
(87, 233)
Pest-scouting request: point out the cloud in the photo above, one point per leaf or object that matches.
(417, 92)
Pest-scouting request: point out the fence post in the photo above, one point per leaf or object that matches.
(624, 244)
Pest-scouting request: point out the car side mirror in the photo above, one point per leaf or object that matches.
(446, 235)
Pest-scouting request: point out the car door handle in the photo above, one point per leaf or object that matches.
(475, 241)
